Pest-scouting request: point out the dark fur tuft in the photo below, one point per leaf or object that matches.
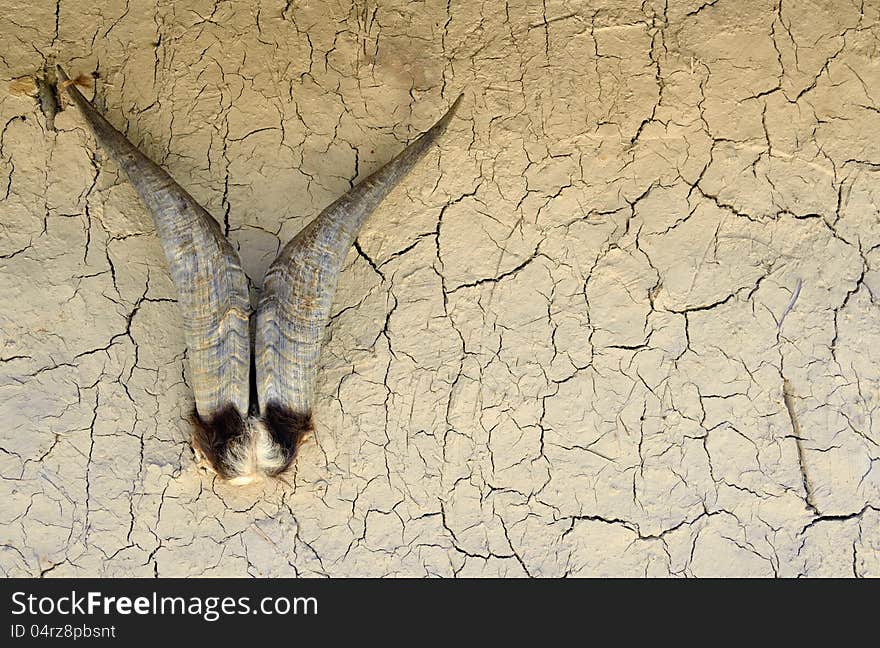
(287, 429)
(213, 436)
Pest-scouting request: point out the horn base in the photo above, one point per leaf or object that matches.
(244, 450)
(287, 427)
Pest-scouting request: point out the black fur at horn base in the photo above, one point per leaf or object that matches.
(213, 436)
(287, 429)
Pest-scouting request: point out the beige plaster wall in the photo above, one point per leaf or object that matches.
(562, 347)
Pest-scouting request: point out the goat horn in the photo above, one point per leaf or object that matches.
(300, 284)
(211, 285)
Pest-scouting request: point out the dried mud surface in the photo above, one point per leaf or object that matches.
(626, 321)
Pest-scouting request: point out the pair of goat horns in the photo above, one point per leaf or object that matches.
(213, 296)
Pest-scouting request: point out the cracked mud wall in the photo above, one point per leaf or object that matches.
(626, 321)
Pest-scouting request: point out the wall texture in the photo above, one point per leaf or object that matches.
(625, 322)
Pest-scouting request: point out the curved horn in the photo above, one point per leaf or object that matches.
(300, 284)
(211, 285)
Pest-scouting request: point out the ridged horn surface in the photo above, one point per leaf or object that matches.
(300, 284)
(206, 271)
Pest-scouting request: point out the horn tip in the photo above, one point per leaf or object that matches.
(453, 108)
(441, 125)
